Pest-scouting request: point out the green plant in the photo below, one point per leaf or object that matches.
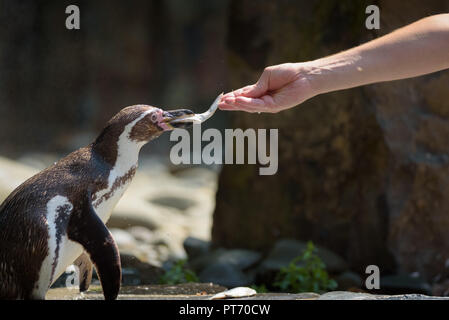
(178, 273)
(259, 289)
(305, 273)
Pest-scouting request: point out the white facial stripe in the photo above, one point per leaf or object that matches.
(127, 157)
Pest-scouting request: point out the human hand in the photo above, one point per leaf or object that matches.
(280, 87)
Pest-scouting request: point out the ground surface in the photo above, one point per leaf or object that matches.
(204, 291)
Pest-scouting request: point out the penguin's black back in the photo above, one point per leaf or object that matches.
(23, 228)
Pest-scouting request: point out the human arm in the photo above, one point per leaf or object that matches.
(416, 49)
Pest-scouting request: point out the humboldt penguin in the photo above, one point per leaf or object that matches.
(57, 217)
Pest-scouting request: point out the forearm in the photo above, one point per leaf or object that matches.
(419, 48)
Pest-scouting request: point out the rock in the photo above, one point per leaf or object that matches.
(349, 280)
(141, 234)
(441, 288)
(238, 292)
(285, 250)
(130, 277)
(404, 283)
(201, 262)
(345, 295)
(196, 176)
(195, 247)
(129, 217)
(409, 297)
(238, 258)
(123, 239)
(38, 160)
(138, 272)
(224, 274)
(12, 174)
(173, 202)
(169, 226)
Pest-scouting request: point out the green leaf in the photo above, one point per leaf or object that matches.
(178, 273)
(306, 272)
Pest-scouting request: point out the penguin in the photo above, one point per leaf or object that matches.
(57, 217)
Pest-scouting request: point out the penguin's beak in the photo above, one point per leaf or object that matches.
(173, 118)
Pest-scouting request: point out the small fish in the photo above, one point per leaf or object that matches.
(238, 292)
(201, 117)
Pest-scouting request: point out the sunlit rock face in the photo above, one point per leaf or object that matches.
(364, 171)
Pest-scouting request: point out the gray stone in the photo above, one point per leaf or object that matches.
(12, 174)
(441, 288)
(404, 283)
(225, 274)
(173, 202)
(138, 272)
(123, 239)
(410, 297)
(195, 247)
(239, 258)
(346, 295)
(140, 233)
(130, 277)
(348, 280)
(285, 250)
(126, 219)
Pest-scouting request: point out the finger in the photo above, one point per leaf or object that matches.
(238, 92)
(229, 100)
(238, 107)
(243, 100)
(227, 107)
(254, 102)
(251, 108)
(246, 90)
(265, 103)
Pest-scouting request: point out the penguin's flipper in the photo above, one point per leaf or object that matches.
(86, 228)
(85, 268)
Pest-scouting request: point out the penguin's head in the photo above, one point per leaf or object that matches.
(143, 123)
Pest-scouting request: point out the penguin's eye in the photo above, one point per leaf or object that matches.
(154, 117)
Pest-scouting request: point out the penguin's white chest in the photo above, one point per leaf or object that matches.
(106, 199)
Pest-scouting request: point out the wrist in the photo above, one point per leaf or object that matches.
(314, 74)
(333, 73)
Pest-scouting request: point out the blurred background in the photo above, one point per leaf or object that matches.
(363, 173)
